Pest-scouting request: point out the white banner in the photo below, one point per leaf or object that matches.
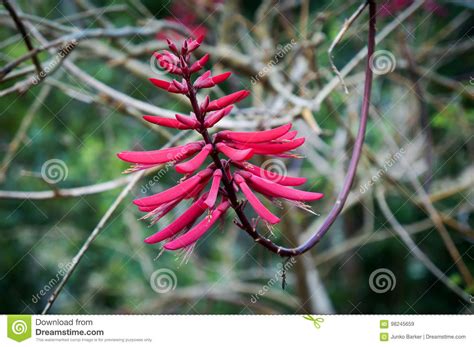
(223, 330)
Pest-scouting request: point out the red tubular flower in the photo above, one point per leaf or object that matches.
(207, 81)
(227, 100)
(290, 135)
(172, 87)
(194, 163)
(254, 136)
(271, 176)
(170, 194)
(162, 155)
(198, 65)
(261, 210)
(270, 188)
(188, 121)
(188, 217)
(167, 122)
(234, 154)
(216, 182)
(213, 117)
(195, 233)
(230, 177)
(274, 147)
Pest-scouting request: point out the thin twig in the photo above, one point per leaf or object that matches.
(412, 246)
(24, 34)
(333, 83)
(88, 34)
(22, 131)
(23, 86)
(433, 213)
(77, 258)
(67, 192)
(423, 111)
(345, 27)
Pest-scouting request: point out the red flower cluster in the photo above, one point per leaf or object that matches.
(226, 176)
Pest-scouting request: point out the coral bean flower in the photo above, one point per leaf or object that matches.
(215, 188)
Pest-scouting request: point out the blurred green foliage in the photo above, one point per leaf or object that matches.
(40, 236)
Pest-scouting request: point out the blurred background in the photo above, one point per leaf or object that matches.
(404, 242)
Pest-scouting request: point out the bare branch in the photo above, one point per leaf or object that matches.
(23, 32)
(417, 252)
(67, 192)
(338, 38)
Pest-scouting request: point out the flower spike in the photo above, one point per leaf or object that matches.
(229, 175)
